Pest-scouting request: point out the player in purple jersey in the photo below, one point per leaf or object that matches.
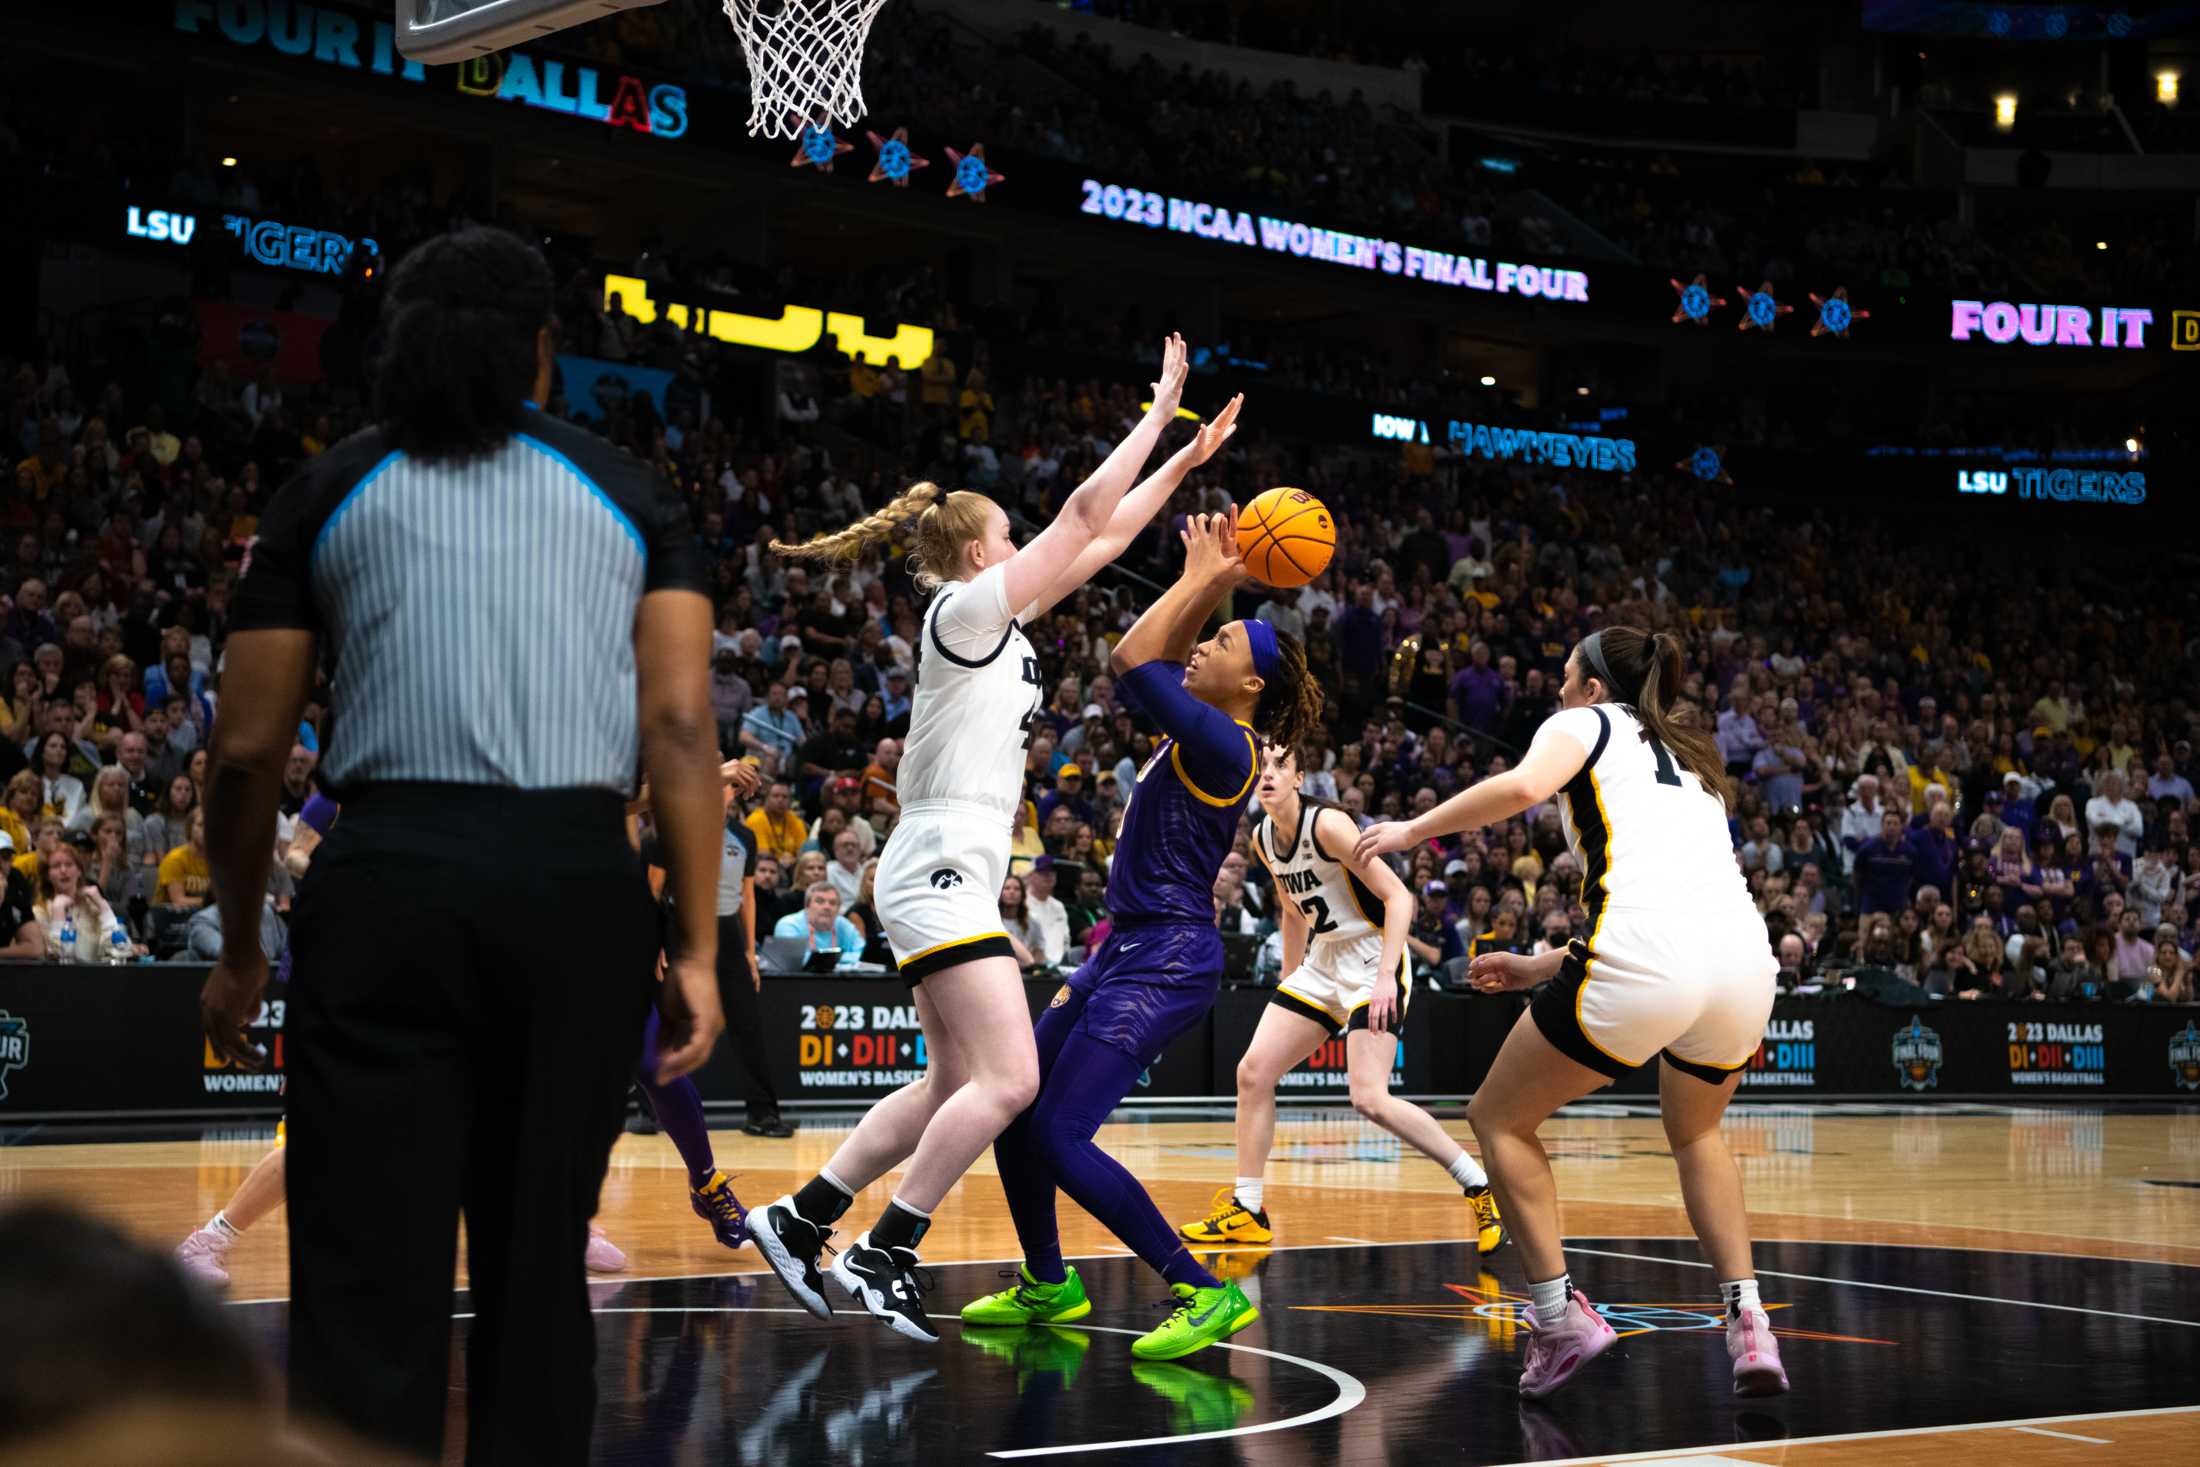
(1157, 974)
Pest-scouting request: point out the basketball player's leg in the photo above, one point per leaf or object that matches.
(1281, 1042)
(981, 1006)
(678, 1109)
(205, 1252)
(1530, 1080)
(1369, 1062)
(1026, 1178)
(1711, 1185)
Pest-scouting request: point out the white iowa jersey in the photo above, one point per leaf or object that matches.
(1337, 905)
(1648, 835)
(978, 693)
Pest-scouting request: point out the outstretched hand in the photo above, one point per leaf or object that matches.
(1175, 366)
(1383, 838)
(1212, 434)
(1502, 972)
(1211, 549)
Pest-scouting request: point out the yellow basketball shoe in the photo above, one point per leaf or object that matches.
(1230, 1222)
(1489, 1228)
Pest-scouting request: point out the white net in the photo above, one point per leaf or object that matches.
(805, 60)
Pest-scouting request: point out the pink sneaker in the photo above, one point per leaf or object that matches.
(1756, 1354)
(1557, 1350)
(201, 1256)
(603, 1255)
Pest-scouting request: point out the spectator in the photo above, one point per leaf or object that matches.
(2170, 975)
(772, 732)
(845, 871)
(1886, 868)
(111, 796)
(821, 927)
(184, 872)
(2114, 809)
(2166, 783)
(62, 793)
(2132, 952)
(67, 901)
(2155, 884)
(1023, 933)
(1048, 914)
(1067, 794)
(779, 831)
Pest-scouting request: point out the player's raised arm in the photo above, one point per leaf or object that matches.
(1554, 758)
(1035, 569)
(1213, 568)
(1140, 505)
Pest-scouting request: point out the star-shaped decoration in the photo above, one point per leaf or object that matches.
(1761, 311)
(1708, 464)
(1835, 314)
(895, 161)
(972, 175)
(817, 148)
(1696, 302)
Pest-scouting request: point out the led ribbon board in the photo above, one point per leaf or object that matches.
(794, 329)
(1331, 246)
(337, 38)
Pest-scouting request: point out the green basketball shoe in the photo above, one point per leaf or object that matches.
(1031, 1302)
(1201, 1317)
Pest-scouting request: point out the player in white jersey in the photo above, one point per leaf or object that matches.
(1345, 969)
(1674, 963)
(979, 695)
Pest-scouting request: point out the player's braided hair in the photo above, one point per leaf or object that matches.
(1290, 705)
(945, 522)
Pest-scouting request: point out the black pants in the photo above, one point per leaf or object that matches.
(744, 1015)
(473, 969)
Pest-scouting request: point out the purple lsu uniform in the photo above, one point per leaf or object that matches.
(320, 814)
(1161, 966)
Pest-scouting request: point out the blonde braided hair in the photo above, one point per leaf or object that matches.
(945, 522)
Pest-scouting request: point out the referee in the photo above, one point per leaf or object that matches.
(516, 616)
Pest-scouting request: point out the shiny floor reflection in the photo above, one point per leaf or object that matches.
(1876, 1338)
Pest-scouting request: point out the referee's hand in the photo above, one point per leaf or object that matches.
(230, 1000)
(689, 1016)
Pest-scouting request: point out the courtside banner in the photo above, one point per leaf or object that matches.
(91, 1040)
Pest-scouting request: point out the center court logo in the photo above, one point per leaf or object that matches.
(15, 1047)
(1917, 1056)
(1505, 1315)
(2184, 1055)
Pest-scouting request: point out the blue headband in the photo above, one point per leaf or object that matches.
(1261, 637)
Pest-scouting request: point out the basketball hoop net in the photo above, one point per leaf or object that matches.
(805, 60)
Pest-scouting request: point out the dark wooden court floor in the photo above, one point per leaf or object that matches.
(1952, 1285)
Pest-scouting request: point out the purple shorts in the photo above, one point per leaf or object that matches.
(1148, 984)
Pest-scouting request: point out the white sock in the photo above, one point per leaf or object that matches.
(1249, 1191)
(1467, 1174)
(1550, 1298)
(225, 1232)
(825, 1175)
(1740, 1295)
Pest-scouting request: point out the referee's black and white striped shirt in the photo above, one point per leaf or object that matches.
(477, 615)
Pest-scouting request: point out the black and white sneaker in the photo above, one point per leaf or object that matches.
(791, 1244)
(888, 1283)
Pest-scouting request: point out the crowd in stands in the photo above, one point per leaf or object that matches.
(1925, 760)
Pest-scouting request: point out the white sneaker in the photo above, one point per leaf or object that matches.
(201, 1256)
(1756, 1355)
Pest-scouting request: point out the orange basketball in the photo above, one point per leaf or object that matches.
(1287, 537)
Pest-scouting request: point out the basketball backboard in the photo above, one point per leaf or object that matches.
(437, 31)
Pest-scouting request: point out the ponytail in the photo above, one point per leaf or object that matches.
(1643, 670)
(945, 522)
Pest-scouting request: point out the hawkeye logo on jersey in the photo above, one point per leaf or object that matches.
(2184, 1056)
(1917, 1056)
(15, 1047)
(945, 877)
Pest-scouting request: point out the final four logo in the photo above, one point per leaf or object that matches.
(15, 1047)
(1917, 1056)
(2184, 1055)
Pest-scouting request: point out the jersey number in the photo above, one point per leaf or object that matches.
(1031, 721)
(1317, 910)
(1667, 774)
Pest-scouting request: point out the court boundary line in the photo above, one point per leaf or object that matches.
(1813, 1278)
(1350, 1391)
(744, 1273)
(1781, 1444)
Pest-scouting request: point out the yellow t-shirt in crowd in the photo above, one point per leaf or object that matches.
(782, 838)
(187, 868)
